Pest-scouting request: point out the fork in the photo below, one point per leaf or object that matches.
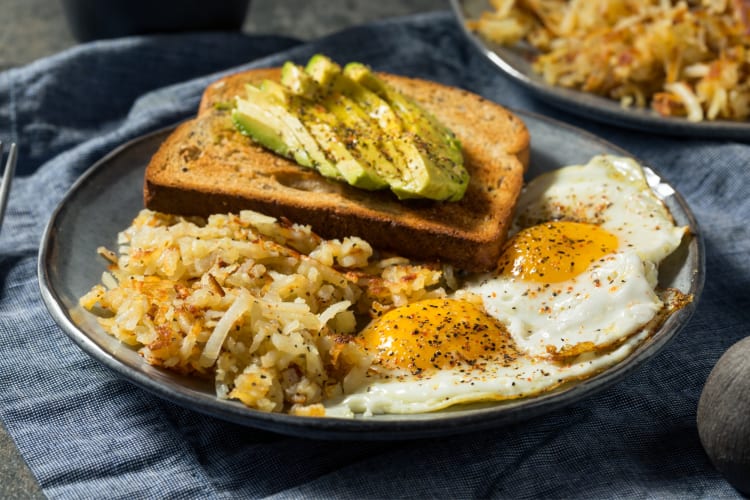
(10, 168)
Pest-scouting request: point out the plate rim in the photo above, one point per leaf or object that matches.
(599, 108)
(405, 427)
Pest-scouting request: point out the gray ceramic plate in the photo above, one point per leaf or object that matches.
(107, 197)
(516, 63)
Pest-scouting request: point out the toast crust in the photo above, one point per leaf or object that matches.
(206, 166)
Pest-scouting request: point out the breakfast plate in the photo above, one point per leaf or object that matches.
(109, 195)
(515, 62)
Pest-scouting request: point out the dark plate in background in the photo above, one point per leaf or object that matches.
(515, 62)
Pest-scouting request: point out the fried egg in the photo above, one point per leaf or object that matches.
(574, 292)
(611, 192)
(580, 272)
(437, 353)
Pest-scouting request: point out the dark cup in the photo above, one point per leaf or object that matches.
(94, 19)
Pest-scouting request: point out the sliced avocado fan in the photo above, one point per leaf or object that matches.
(351, 125)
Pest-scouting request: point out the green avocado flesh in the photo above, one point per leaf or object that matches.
(352, 126)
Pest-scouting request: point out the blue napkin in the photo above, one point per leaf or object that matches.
(86, 433)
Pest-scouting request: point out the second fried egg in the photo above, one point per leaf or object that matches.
(580, 272)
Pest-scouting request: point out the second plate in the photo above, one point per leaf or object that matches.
(516, 63)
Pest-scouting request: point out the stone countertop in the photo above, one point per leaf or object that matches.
(38, 29)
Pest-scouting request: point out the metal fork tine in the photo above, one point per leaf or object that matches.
(10, 169)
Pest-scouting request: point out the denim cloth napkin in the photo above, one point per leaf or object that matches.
(87, 433)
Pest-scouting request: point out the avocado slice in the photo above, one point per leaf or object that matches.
(438, 151)
(269, 131)
(330, 74)
(299, 83)
(415, 118)
(323, 70)
(428, 158)
(351, 168)
(350, 125)
(265, 116)
(365, 138)
(429, 178)
(323, 126)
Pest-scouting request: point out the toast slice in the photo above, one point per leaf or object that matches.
(206, 166)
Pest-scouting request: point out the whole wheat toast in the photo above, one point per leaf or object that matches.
(206, 166)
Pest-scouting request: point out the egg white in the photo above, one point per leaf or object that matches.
(382, 394)
(609, 191)
(610, 301)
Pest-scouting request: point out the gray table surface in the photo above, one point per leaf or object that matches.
(38, 29)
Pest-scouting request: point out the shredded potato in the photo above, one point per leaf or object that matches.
(262, 305)
(681, 58)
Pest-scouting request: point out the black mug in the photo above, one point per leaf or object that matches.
(95, 19)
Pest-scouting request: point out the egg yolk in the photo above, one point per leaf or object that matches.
(555, 251)
(436, 334)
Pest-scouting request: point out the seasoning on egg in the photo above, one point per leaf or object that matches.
(437, 334)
